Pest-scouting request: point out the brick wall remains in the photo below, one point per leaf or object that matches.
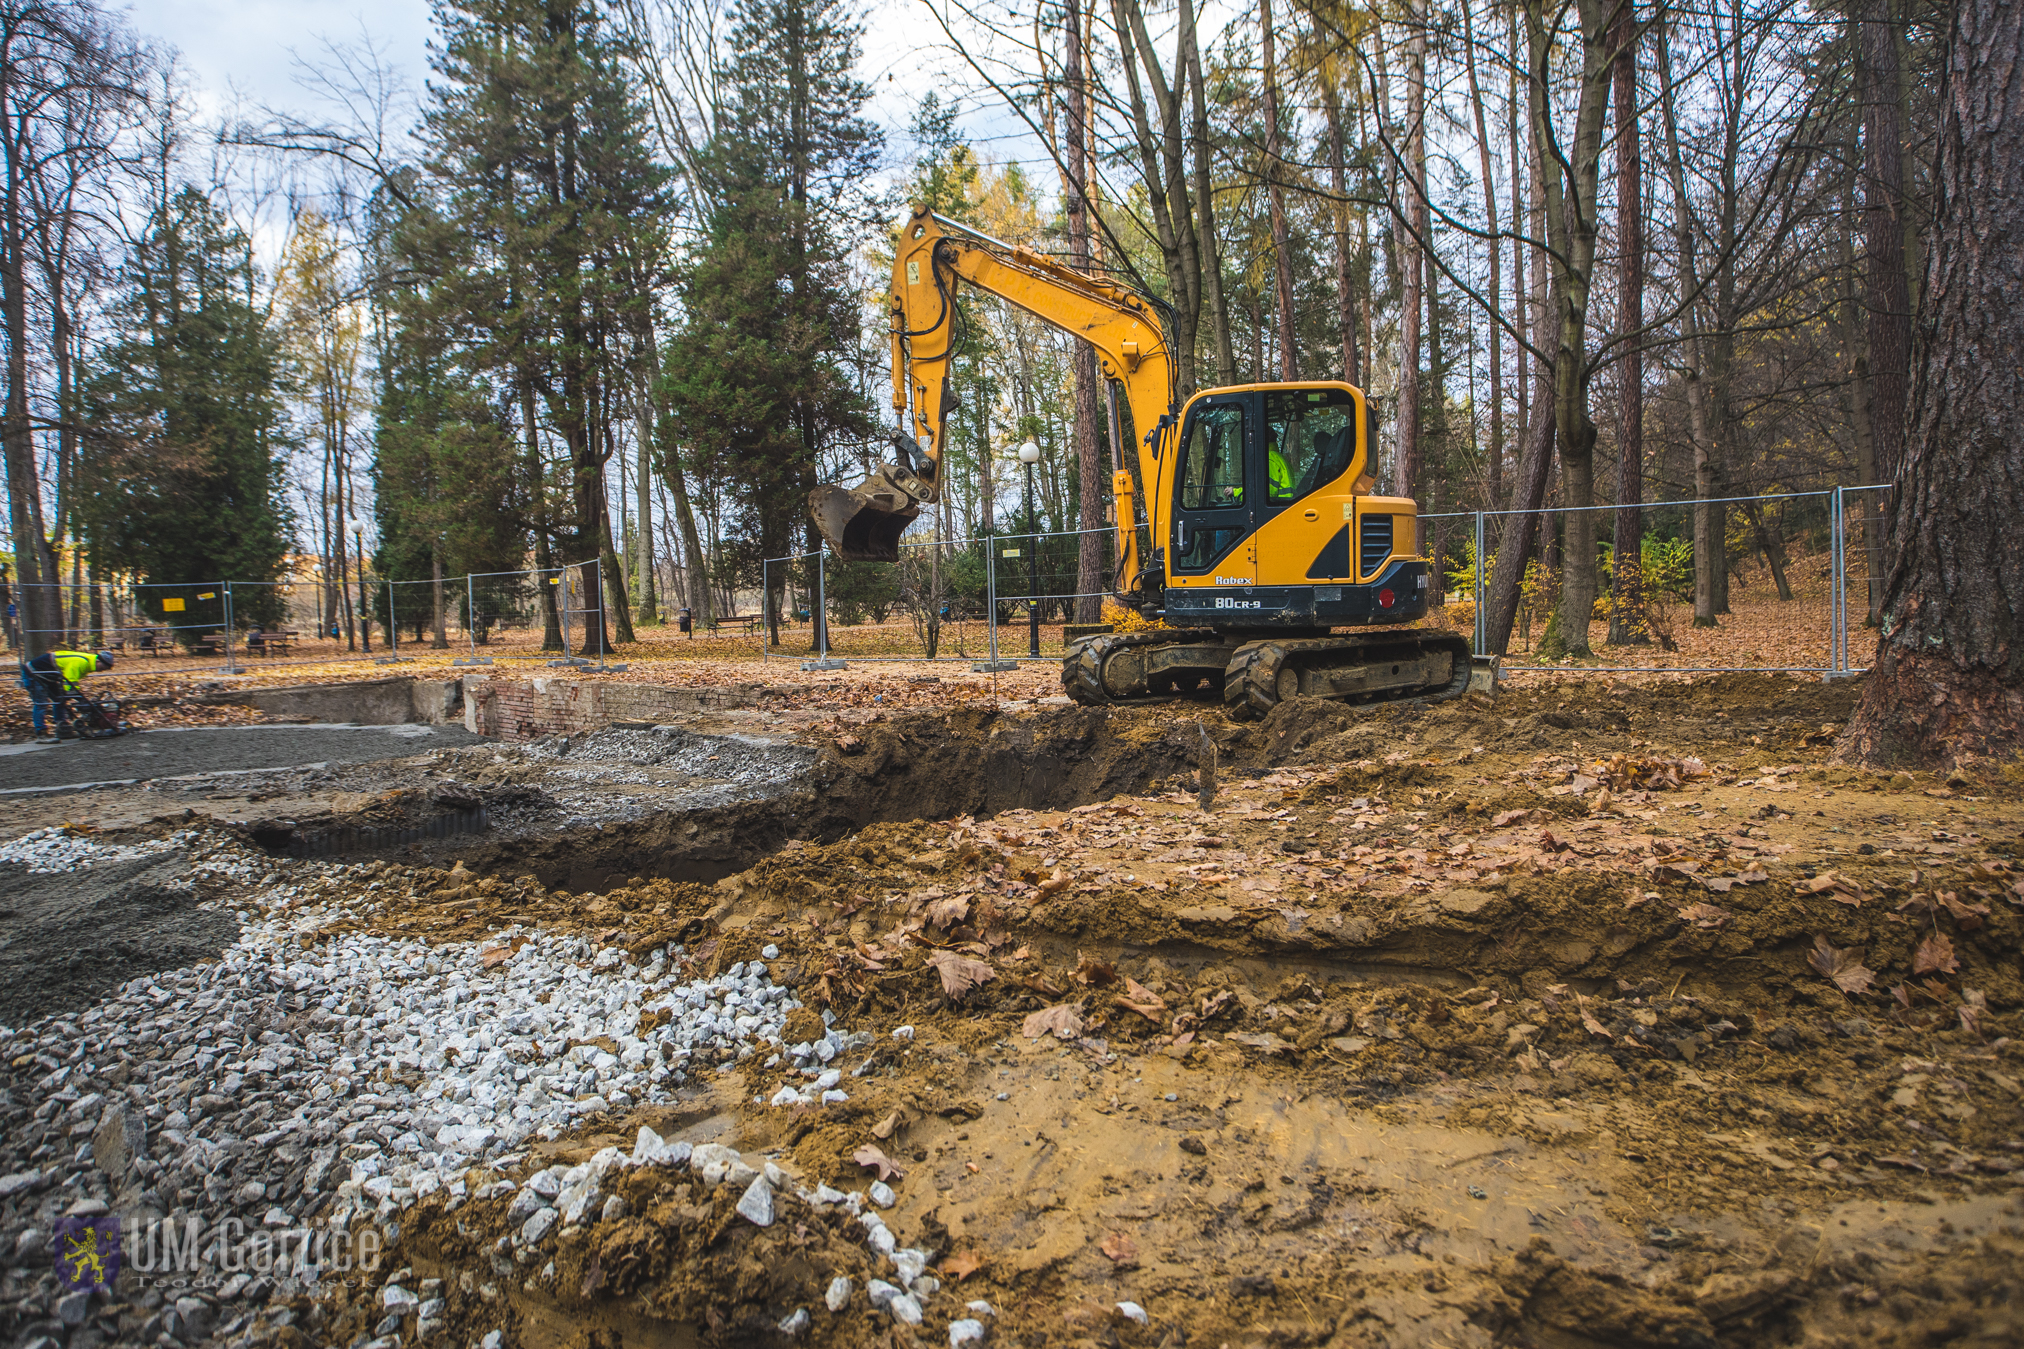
(529, 708)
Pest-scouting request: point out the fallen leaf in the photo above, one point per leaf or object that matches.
(959, 973)
(874, 1158)
(1056, 883)
(1705, 915)
(1508, 817)
(1844, 967)
(1588, 1021)
(1138, 998)
(885, 1127)
(1095, 973)
(946, 913)
(1063, 1022)
(1122, 1250)
(1268, 1043)
(496, 957)
(962, 1265)
(1754, 875)
(1935, 956)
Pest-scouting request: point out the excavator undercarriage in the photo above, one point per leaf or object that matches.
(1256, 674)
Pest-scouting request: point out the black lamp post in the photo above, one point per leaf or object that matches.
(1029, 455)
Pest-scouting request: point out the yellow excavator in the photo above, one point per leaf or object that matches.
(1263, 533)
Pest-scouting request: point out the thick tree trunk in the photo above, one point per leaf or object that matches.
(1624, 626)
(35, 572)
(1887, 297)
(1571, 194)
(1528, 493)
(1948, 681)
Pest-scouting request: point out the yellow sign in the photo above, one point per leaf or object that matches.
(172, 606)
(207, 594)
(1011, 552)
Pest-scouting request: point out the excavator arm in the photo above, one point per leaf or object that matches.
(934, 254)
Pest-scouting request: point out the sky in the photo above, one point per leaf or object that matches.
(248, 50)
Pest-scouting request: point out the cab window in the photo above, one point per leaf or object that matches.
(1212, 462)
(1310, 440)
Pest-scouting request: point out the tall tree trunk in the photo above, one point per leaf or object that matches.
(1624, 629)
(1485, 161)
(1412, 244)
(1209, 246)
(643, 553)
(1345, 293)
(1866, 509)
(1571, 198)
(1275, 194)
(1886, 295)
(1694, 354)
(1948, 681)
(1521, 532)
(35, 570)
(544, 549)
(439, 633)
(1521, 306)
(1090, 477)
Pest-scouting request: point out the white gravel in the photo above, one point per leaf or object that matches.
(324, 1070)
(55, 850)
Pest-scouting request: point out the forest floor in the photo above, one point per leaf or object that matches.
(1600, 1013)
(889, 671)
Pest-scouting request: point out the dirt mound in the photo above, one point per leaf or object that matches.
(68, 939)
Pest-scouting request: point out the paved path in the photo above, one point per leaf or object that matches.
(75, 764)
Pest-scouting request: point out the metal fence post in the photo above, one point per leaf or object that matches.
(822, 597)
(393, 622)
(471, 613)
(602, 601)
(226, 588)
(765, 588)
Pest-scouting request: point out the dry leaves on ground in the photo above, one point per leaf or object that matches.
(1122, 1250)
(1935, 956)
(1844, 967)
(1063, 1022)
(959, 972)
(874, 1159)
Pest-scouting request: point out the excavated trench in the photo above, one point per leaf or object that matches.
(1611, 1113)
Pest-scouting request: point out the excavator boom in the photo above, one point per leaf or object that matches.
(933, 254)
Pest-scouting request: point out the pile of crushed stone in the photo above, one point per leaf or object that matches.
(56, 850)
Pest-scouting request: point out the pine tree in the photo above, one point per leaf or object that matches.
(536, 143)
(757, 379)
(183, 419)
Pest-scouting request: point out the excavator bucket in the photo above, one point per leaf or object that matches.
(864, 523)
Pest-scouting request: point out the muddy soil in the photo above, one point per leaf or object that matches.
(1591, 1015)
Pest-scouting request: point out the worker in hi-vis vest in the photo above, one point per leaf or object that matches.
(51, 679)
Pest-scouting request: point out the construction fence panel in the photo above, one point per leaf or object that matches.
(1781, 599)
(967, 599)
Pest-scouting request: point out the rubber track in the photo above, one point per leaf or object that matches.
(1082, 672)
(1251, 683)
